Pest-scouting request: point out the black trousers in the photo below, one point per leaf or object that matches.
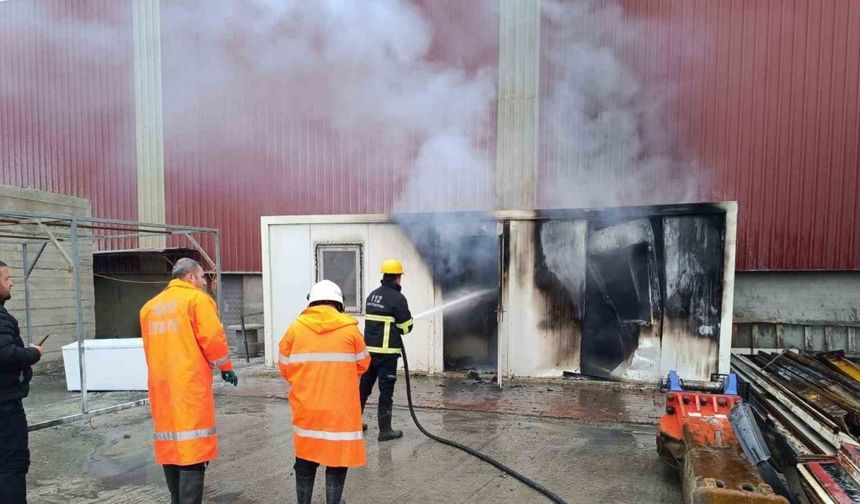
(383, 367)
(14, 453)
(308, 468)
(193, 467)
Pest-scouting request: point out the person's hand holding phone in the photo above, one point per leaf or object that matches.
(39, 345)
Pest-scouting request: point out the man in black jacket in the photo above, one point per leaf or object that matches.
(15, 374)
(386, 320)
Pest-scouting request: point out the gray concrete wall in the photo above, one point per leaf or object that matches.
(253, 297)
(232, 296)
(52, 295)
(799, 297)
(802, 309)
(242, 294)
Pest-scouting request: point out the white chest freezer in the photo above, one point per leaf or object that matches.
(111, 364)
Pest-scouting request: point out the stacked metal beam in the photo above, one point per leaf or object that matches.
(833, 480)
(813, 403)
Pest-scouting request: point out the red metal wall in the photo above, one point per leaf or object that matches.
(765, 100)
(777, 117)
(67, 101)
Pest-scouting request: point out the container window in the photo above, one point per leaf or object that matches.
(341, 263)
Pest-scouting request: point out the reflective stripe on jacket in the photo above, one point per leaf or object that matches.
(386, 320)
(322, 355)
(183, 340)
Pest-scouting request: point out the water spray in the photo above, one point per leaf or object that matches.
(454, 302)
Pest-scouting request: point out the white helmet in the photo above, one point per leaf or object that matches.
(325, 291)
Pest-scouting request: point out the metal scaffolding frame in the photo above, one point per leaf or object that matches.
(49, 229)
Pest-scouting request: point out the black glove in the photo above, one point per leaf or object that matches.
(230, 377)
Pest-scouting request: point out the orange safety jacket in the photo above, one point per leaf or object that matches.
(183, 340)
(322, 355)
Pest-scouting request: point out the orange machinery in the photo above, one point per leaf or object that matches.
(697, 438)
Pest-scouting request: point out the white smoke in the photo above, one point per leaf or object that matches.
(48, 57)
(356, 70)
(442, 162)
(364, 73)
(605, 139)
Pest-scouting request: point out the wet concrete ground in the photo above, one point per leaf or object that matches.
(49, 399)
(109, 458)
(589, 401)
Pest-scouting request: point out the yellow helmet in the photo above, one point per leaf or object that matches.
(392, 267)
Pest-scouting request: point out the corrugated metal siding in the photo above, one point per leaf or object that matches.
(519, 81)
(249, 153)
(66, 101)
(148, 116)
(766, 98)
(786, 146)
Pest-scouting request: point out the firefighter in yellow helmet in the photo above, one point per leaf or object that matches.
(387, 319)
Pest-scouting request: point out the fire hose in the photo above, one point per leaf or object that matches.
(475, 453)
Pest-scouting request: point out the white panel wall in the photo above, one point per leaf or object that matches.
(424, 344)
(528, 346)
(289, 271)
(288, 274)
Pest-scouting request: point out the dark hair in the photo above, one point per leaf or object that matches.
(390, 277)
(334, 304)
(3, 265)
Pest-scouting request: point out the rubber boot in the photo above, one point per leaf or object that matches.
(191, 486)
(304, 488)
(334, 482)
(386, 433)
(171, 475)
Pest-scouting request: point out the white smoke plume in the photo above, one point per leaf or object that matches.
(605, 138)
(356, 70)
(48, 54)
(363, 74)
